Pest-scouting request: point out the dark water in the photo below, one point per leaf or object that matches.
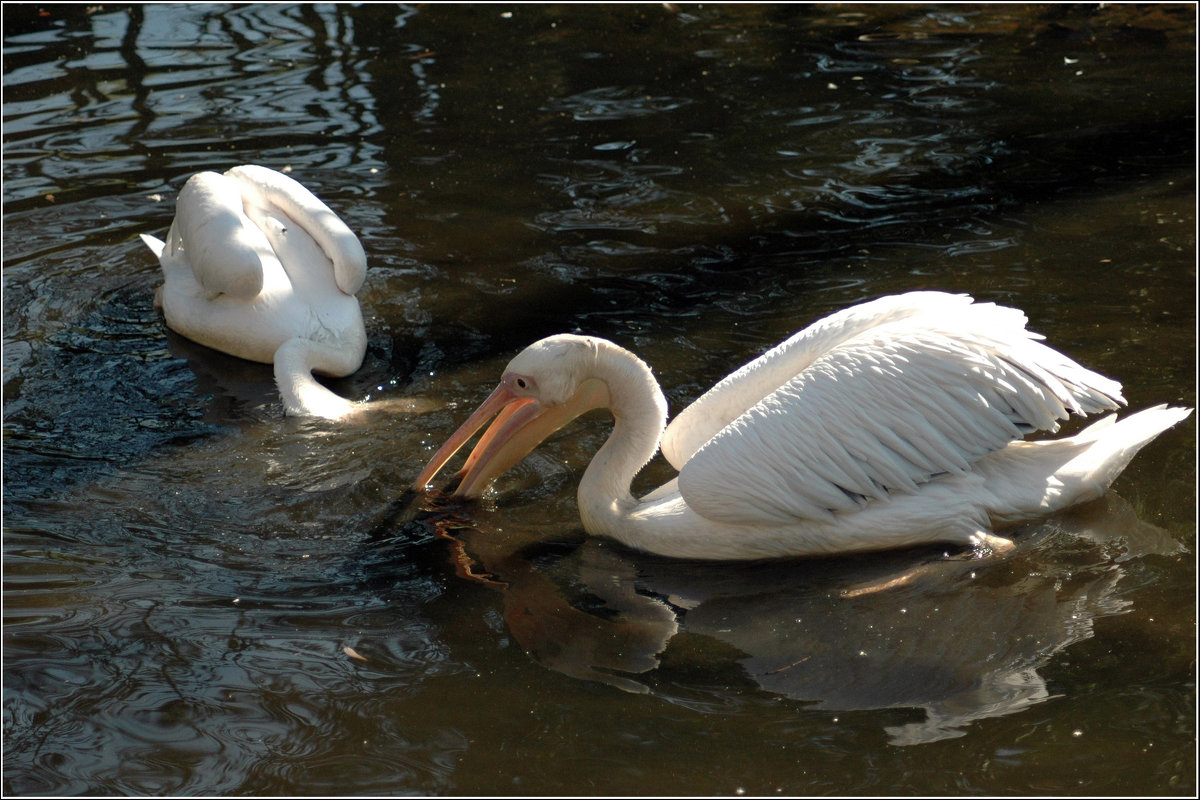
(184, 567)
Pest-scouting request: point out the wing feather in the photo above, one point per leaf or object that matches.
(878, 409)
(267, 187)
(740, 390)
(223, 248)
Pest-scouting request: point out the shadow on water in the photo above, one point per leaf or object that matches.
(955, 636)
(623, 216)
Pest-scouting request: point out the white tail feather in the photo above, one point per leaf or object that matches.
(1114, 443)
(1042, 477)
(156, 245)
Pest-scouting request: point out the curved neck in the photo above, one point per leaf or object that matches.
(302, 395)
(639, 415)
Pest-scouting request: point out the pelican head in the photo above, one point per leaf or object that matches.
(544, 387)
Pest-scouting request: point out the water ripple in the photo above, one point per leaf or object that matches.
(608, 103)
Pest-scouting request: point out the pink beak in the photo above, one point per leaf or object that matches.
(521, 423)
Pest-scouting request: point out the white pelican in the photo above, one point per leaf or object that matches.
(256, 266)
(889, 424)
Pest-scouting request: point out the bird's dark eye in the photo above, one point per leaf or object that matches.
(521, 383)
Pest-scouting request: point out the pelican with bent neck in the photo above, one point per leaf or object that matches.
(256, 266)
(893, 423)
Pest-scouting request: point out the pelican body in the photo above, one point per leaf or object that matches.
(256, 266)
(894, 423)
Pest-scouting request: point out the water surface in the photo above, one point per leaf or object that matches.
(185, 568)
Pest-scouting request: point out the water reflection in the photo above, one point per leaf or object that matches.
(957, 637)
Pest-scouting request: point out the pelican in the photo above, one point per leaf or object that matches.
(890, 424)
(256, 266)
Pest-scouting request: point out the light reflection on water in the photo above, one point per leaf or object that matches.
(184, 567)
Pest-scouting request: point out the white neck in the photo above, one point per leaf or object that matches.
(639, 415)
(302, 395)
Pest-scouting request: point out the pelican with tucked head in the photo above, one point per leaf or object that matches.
(894, 423)
(256, 266)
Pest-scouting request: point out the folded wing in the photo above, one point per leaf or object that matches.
(266, 187)
(877, 401)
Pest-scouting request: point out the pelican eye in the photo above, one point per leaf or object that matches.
(522, 383)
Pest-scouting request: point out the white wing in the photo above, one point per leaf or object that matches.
(934, 384)
(266, 187)
(737, 392)
(221, 245)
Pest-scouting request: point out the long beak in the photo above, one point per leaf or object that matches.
(521, 424)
